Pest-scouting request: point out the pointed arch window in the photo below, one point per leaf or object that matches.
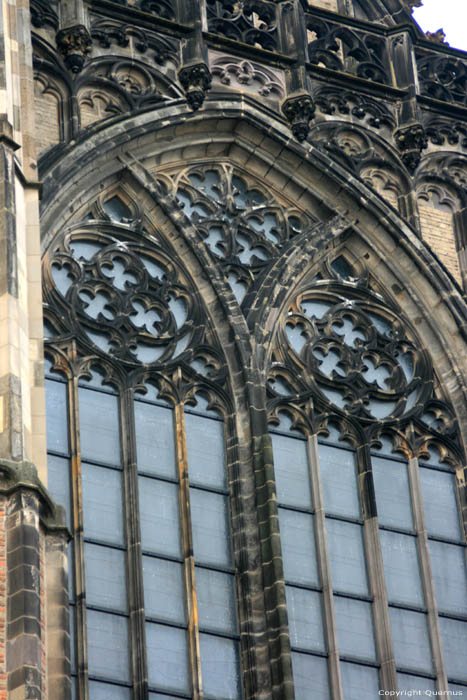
(367, 452)
(136, 439)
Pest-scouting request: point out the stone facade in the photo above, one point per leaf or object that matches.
(344, 129)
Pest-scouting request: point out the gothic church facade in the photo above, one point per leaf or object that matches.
(233, 368)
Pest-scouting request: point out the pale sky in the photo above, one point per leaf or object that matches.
(450, 15)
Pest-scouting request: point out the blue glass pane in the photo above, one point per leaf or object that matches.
(167, 657)
(155, 445)
(164, 590)
(392, 493)
(359, 682)
(106, 691)
(409, 683)
(159, 514)
(215, 592)
(108, 655)
(211, 536)
(58, 482)
(291, 471)
(105, 577)
(450, 577)
(458, 691)
(298, 547)
(102, 504)
(310, 672)
(339, 480)
(355, 634)
(440, 503)
(411, 642)
(99, 426)
(347, 557)
(57, 416)
(220, 667)
(305, 619)
(401, 568)
(454, 636)
(205, 446)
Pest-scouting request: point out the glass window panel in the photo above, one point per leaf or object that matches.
(58, 482)
(406, 682)
(158, 696)
(105, 691)
(102, 504)
(57, 416)
(220, 668)
(454, 636)
(401, 568)
(108, 655)
(339, 479)
(72, 639)
(440, 503)
(411, 642)
(159, 514)
(298, 547)
(205, 447)
(305, 619)
(291, 471)
(155, 439)
(99, 426)
(167, 657)
(310, 672)
(164, 590)
(105, 577)
(215, 592)
(354, 623)
(347, 557)
(211, 539)
(450, 577)
(392, 492)
(359, 682)
(458, 691)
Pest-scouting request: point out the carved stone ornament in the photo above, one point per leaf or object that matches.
(438, 37)
(299, 111)
(74, 44)
(196, 81)
(411, 141)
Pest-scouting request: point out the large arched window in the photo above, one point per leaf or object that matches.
(140, 411)
(136, 441)
(369, 513)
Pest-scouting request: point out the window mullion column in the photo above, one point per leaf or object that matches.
(426, 573)
(78, 541)
(134, 554)
(322, 554)
(187, 551)
(383, 634)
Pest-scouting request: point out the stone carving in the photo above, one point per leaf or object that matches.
(374, 114)
(443, 78)
(43, 13)
(233, 72)
(109, 32)
(74, 44)
(299, 111)
(341, 49)
(438, 37)
(441, 132)
(252, 22)
(196, 81)
(411, 141)
(121, 295)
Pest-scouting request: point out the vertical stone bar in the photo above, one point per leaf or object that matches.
(58, 637)
(24, 647)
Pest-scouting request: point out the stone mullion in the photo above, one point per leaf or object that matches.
(325, 569)
(426, 574)
(375, 569)
(137, 630)
(78, 541)
(187, 552)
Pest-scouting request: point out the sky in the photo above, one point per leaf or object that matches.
(450, 15)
